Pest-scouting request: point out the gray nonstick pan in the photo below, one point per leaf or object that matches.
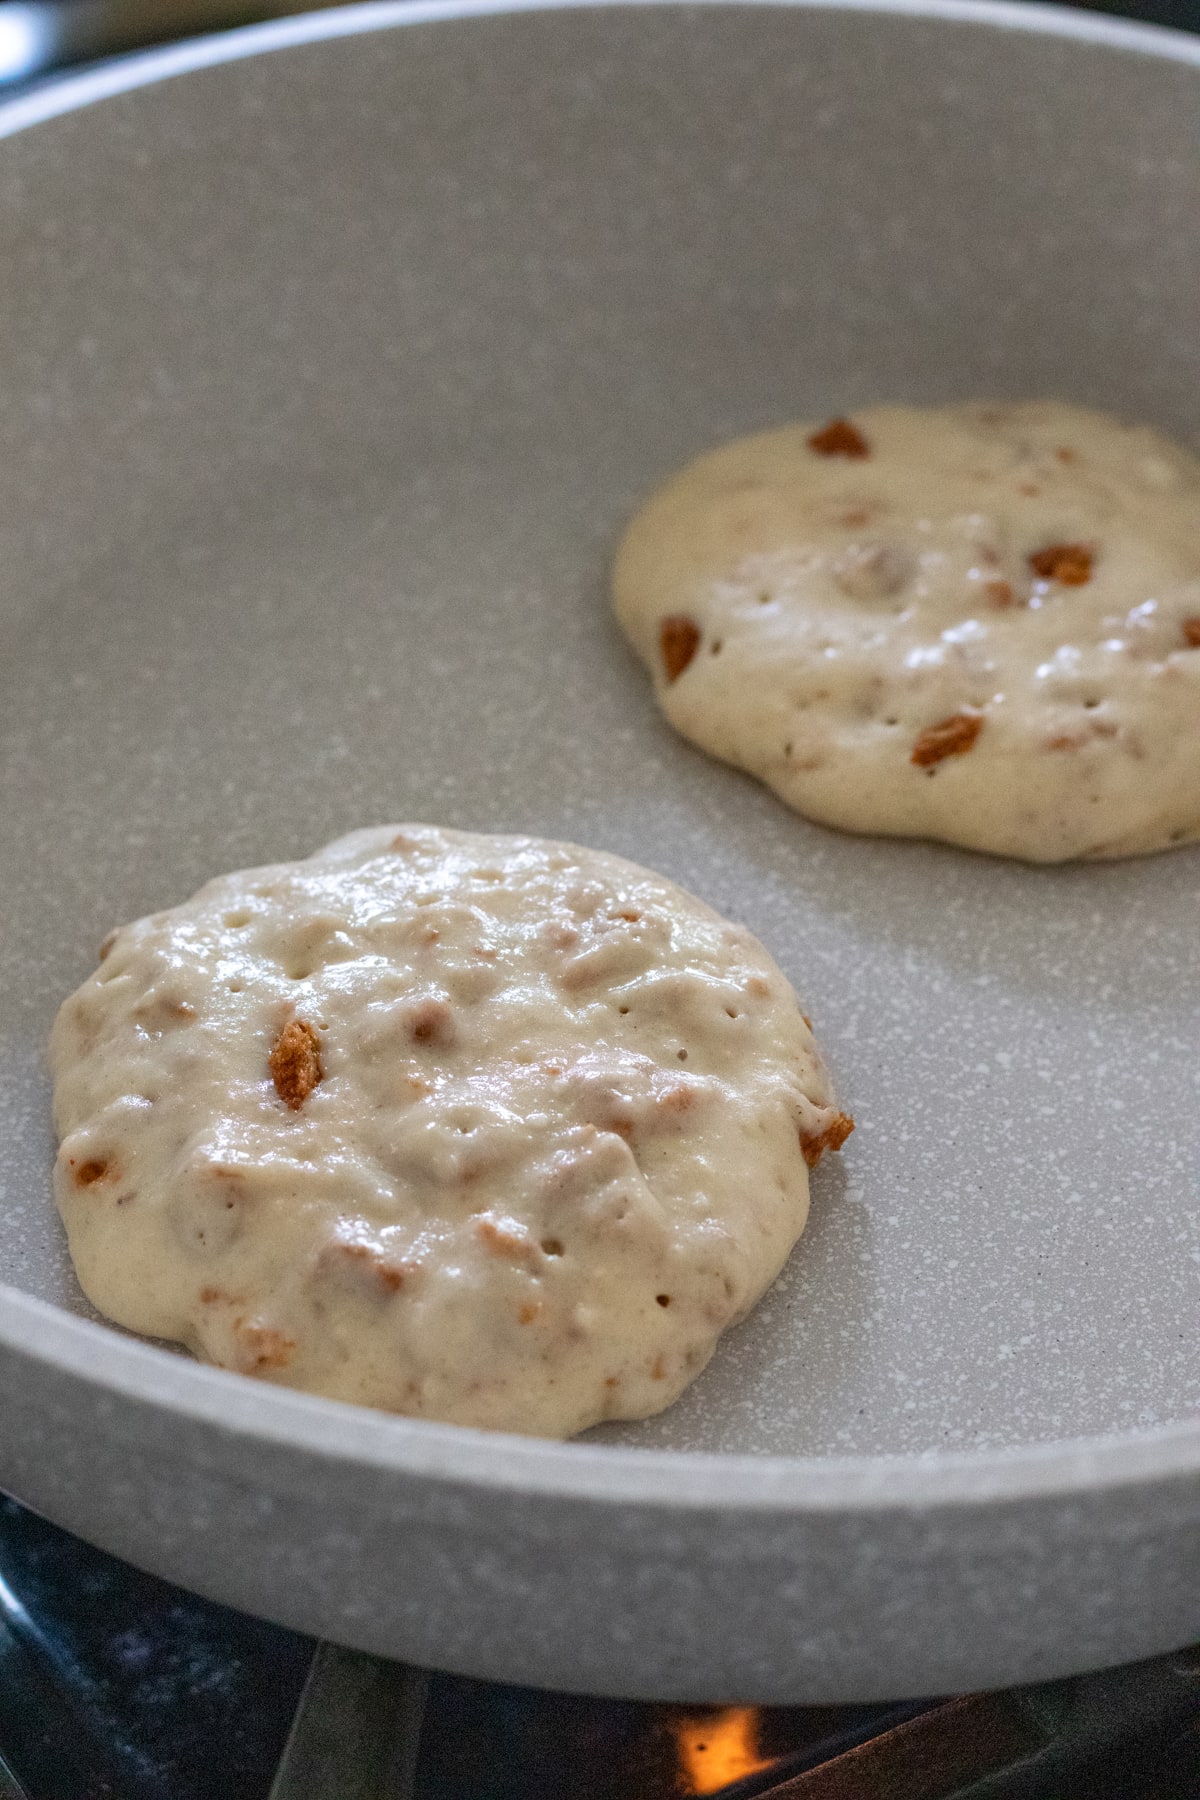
(333, 357)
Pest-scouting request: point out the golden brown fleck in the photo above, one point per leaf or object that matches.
(839, 438)
(503, 1240)
(528, 1312)
(261, 1347)
(97, 1168)
(949, 737)
(855, 517)
(758, 987)
(1070, 564)
(1066, 740)
(109, 941)
(663, 1299)
(1191, 633)
(348, 1251)
(658, 1369)
(678, 1100)
(227, 1172)
(161, 1013)
(402, 843)
(999, 593)
(210, 1295)
(1064, 455)
(629, 913)
(431, 1022)
(370, 1268)
(814, 1144)
(295, 1063)
(678, 642)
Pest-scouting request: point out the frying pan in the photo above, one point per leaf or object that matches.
(334, 355)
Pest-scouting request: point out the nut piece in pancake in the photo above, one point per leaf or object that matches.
(976, 623)
(480, 1129)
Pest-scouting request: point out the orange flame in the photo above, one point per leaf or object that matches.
(717, 1751)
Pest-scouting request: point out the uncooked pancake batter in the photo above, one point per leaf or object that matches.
(482, 1129)
(976, 623)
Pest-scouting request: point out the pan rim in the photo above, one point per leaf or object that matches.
(121, 75)
(154, 1380)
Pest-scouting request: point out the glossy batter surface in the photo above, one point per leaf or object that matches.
(483, 1129)
(975, 623)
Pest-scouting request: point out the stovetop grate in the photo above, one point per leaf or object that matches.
(115, 1686)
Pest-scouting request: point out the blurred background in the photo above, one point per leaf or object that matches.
(38, 37)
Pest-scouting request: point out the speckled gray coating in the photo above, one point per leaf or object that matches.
(329, 379)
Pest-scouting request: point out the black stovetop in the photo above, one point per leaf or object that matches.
(116, 1686)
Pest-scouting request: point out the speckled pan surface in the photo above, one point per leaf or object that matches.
(329, 379)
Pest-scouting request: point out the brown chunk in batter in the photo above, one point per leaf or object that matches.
(1071, 564)
(295, 1063)
(839, 438)
(813, 1144)
(1191, 632)
(95, 1169)
(949, 737)
(365, 1264)
(505, 1238)
(678, 642)
(261, 1347)
(431, 1022)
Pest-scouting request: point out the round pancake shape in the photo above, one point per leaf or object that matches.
(489, 1130)
(978, 623)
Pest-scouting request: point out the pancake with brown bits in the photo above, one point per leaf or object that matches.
(491, 1130)
(975, 623)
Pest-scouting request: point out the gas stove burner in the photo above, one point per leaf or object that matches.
(115, 1686)
(372, 1729)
